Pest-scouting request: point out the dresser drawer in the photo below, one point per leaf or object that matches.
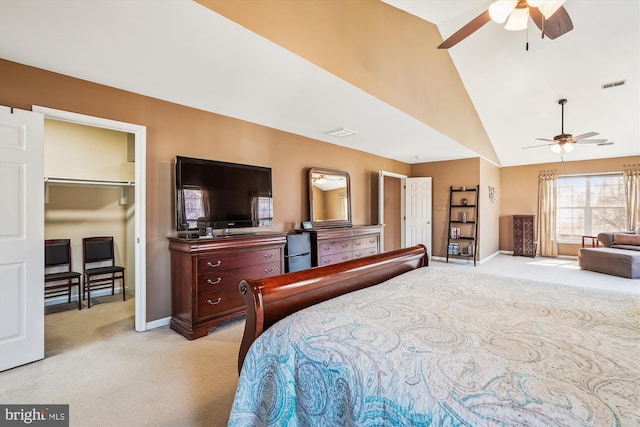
(218, 303)
(233, 259)
(335, 258)
(224, 280)
(365, 242)
(364, 252)
(335, 247)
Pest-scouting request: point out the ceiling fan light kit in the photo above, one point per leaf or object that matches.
(566, 141)
(500, 10)
(548, 15)
(517, 20)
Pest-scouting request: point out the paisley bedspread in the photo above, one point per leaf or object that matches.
(449, 348)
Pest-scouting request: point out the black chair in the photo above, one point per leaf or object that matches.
(59, 279)
(100, 271)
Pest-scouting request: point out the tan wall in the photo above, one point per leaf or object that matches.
(84, 152)
(405, 70)
(519, 191)
(173, 129)
(489, 210)
(77, 212)
(456, 173)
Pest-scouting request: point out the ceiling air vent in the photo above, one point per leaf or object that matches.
(613, 84)
(341, 133)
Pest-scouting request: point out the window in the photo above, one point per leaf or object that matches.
(193, 205)
(590, 204)
(265, 208)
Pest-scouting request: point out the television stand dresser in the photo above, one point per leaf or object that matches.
(206, 272)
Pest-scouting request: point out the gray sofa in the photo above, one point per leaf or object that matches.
(619, 256)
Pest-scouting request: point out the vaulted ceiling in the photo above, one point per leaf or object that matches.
(485, 97)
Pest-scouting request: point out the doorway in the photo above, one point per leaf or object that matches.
(138, 239)
(404, 210)
(391, 210)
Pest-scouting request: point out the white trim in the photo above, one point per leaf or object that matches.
(159, 323)
(470, 262)
(140, 189)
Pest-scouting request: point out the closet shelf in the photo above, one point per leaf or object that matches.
(87, 182)
(75, 182)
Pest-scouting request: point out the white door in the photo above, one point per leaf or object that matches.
(418, 212)
(21, 237)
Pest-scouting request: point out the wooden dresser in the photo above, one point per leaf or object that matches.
(523, 235)
(205, 274)
(333, 245)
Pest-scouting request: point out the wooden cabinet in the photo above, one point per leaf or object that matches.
(205, 274)
(333, 245)
(523, 235)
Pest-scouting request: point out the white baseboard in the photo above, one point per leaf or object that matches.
(158, 323)
(559, 256)
(466, 261)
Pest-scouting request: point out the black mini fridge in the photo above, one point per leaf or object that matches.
(298, 252)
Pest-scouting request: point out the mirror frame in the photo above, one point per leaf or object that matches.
(334, 223)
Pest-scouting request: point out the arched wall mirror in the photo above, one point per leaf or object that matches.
(329, 198)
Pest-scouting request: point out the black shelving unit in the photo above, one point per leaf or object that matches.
(462, 242)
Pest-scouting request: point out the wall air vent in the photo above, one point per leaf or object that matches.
(613, 84)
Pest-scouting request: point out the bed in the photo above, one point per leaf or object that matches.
(382, 341)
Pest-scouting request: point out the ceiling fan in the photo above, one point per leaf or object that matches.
(565, 141)
(549, 16)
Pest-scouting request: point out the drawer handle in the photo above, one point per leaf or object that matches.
(358, 243)
(372, 241)
(269, 270)
(217, 264)
(326, 248)
(214, 302)
(346, 257)
(269, 255)
(211, 282)
(344, 245)
(358, 255)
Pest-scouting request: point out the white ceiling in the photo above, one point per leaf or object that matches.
(181, 52)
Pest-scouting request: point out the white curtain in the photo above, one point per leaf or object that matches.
(547, 214)
(632, 187)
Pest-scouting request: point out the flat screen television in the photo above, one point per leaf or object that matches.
(221, 195)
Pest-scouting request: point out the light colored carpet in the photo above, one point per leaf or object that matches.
(557, 270)
(113, 376)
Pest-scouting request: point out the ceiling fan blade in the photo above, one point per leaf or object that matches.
(558, 24)
(585, 135)
(466, 31)
(592, 141)
(545, 139)
(536, 146)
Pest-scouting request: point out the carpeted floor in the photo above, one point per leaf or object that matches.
(111, 375)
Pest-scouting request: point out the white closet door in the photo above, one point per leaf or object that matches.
(21, 237)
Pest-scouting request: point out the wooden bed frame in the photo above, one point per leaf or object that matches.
(271, 299)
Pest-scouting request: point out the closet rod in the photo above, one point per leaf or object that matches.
(74, 181)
